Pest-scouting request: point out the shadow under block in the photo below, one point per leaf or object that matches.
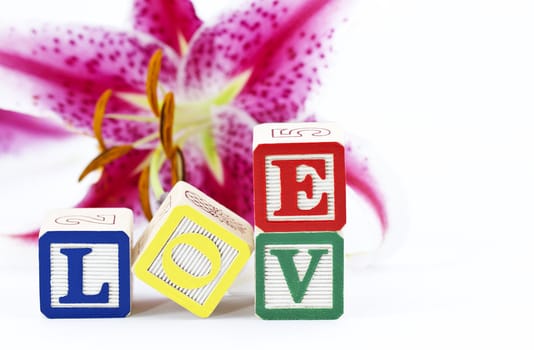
(299, 276)
(299, 177)
(193, 249)
(84, 263)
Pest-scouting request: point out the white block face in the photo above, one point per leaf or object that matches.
(99, 267)
(320, 290)
(297, 133)
(89, 219)
(321, 186)
(221, 215)
(194, 262)
(185, 194)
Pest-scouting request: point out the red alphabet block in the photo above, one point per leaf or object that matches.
(299, 177)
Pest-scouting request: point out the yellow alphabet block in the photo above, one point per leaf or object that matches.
(193, 249)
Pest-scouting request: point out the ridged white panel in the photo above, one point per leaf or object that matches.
(320, 186)
(99, 267)
(193, 261)
(320, 290)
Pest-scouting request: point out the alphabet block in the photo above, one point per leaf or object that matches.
(299, 177)
(193, 249)
(299, 276)
(84, 263)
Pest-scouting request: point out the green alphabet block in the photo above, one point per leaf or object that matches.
(299, 276)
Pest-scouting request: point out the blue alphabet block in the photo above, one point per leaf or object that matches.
(84, 263)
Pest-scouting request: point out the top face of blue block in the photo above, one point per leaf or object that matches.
(85, 274)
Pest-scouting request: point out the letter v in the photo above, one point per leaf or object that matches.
(297, 288)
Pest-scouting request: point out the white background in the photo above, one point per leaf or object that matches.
(442, 92)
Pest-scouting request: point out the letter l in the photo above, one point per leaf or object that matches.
(75, 293)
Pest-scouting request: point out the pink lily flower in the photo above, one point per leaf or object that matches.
(174, 98)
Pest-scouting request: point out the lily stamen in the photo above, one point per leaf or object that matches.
(98, 117)
(104, 158)
(154, 67)
(167, 124)
(176, 167)
(143, 187)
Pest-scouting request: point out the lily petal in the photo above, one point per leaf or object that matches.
(18, 131)
(284, 42)
(64, 70)
(360, 180)
(167, 20)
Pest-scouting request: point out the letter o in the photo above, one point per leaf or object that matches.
(181, 277)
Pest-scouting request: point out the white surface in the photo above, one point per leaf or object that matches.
(442, 91)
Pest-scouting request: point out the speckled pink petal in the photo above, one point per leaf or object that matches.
(361, 180)
(166, 20)
(28, 237)
(18, 131)
(66, 69)
(285, 43)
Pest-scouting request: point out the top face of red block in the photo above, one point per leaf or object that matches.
(299, 177)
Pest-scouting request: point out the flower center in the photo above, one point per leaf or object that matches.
(178, 123)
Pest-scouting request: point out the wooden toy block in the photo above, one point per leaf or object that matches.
(193, 249)
(299, 276)
(299, 177)
(84, 263)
